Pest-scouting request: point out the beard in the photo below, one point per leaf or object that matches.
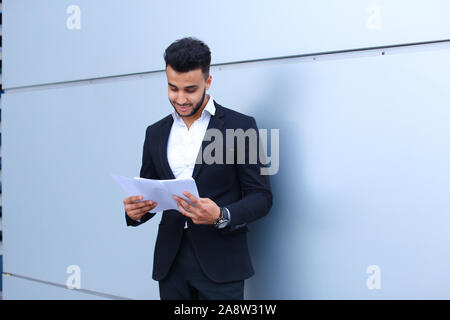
(196, 108)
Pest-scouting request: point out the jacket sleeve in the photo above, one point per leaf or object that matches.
(256, 198)
(147, 171)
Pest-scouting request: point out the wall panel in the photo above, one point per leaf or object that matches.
(363, 176)
(116, 38)
(61, 205)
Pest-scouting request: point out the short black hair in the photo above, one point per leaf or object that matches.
(188, 54)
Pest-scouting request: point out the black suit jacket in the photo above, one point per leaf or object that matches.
(222, 254)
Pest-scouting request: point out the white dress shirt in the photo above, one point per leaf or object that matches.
(184, 144)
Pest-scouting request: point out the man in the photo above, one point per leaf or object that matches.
(201, 250)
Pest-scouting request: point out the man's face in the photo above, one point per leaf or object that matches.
(187, 90)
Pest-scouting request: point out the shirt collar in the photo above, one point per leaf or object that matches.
(210, 108)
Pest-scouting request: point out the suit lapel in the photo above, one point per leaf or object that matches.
(164, 139)
(216, 122)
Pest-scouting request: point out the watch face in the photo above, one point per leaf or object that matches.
(222, 224)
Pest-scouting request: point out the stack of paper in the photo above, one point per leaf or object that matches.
(160, 191)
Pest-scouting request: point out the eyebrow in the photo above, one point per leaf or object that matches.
(188, 87)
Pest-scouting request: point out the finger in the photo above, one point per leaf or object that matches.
(184, 212)
(191, 197)
(148, 207)
(140, 204)
(132, 199)
(134, 206)
(141, 211)
(186, 205)
(153, 206)
(177, 198)
(135, 215)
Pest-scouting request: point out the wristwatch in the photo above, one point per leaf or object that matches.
(223, 220)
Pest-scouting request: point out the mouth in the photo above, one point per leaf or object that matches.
(183, 109)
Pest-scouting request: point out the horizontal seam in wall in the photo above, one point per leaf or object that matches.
(290, 57)
(90, 292)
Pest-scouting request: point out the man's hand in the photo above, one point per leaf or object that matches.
(204, 210)
(134, 209)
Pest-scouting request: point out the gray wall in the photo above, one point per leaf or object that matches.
(364, 136)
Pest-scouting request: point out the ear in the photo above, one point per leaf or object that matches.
(208, 82)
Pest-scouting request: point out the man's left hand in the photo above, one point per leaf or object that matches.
(203, 210)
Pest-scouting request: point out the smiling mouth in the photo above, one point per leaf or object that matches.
(184, 108)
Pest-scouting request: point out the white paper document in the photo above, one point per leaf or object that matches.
(160, 191)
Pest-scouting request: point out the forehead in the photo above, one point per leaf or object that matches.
(184, 78)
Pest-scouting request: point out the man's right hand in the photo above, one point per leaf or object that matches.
(134, 209)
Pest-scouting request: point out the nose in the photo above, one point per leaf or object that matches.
(181, 99)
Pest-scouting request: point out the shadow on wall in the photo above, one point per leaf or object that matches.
(274, 240)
